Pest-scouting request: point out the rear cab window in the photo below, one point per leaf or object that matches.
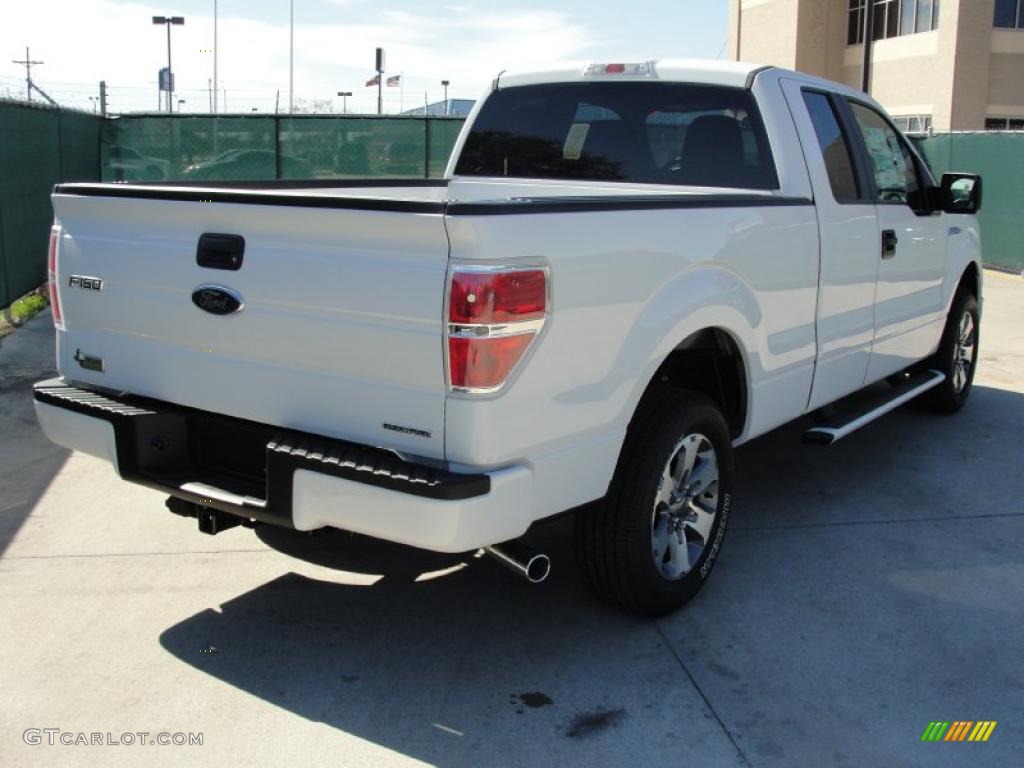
(657, 133)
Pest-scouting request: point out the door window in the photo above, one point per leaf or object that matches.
(896, 179)
(834, 147)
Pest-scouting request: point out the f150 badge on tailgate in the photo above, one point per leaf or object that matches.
(88, 283)
(217, 300)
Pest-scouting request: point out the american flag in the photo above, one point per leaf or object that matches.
(394, 81)
(375, 80)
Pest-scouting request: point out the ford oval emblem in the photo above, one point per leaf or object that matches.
(217, 300)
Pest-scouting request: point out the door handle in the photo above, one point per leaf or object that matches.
(220, 251)
(889, 241)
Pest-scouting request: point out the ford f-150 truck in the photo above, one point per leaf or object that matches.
(628, 269)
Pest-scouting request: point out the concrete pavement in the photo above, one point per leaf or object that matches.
(863, 591)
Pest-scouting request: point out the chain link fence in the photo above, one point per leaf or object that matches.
(262, 147)
(39, 146)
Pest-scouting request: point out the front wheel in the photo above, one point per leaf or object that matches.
(957, 357)
(650, 544)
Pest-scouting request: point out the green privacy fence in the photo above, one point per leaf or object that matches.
(999, 158)
(39, 146)
(262, 147)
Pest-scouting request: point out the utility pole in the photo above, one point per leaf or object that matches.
(28, 63)
(291, 57)
(103, 98)
(209, 89)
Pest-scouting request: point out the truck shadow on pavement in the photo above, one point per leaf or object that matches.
(454, 669)
(849, 573)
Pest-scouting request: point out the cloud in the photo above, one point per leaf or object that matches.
(101, 39)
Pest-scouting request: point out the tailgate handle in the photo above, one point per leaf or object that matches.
(220, 251)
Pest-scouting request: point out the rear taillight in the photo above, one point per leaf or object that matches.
(52, 258)
(494, 314)
(497, 297)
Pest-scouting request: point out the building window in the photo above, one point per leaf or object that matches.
(892, 18)
(1010, 14)
(1004, 124)
(913, 123)
(855, 25)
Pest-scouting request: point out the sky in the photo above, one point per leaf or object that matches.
(84, 41)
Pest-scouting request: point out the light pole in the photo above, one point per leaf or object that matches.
(344, 101)
(168, 21)
(446, 83)
(180, 102)
(215, 86)
(291, 56)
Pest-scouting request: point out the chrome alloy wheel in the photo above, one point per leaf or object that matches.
(963, 352)
(685, 506)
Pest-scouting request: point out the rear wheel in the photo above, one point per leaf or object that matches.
(650, 544)
(957, 357)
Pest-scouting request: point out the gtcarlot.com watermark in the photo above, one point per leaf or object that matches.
(58, 736)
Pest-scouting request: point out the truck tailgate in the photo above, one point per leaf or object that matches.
(340, 333)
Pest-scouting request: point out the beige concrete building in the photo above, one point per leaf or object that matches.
(940, 64)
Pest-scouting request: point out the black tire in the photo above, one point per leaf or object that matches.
(615, 538)
(950, 396)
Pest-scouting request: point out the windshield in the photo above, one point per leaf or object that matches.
(663, 133)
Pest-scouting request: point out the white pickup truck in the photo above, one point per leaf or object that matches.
(628, 269)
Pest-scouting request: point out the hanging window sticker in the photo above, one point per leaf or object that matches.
(575, 140)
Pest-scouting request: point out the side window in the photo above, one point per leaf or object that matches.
(834, 147)
(891, 161)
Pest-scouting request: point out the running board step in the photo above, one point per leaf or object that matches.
(843, 424)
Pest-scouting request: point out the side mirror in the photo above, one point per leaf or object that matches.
(960, 193)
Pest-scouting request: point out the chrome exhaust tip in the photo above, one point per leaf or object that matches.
(521, 559)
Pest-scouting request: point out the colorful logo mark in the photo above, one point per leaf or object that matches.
(958, 730)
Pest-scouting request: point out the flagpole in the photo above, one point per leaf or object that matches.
(216, 86)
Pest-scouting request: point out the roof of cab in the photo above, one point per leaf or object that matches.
(708, 71)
